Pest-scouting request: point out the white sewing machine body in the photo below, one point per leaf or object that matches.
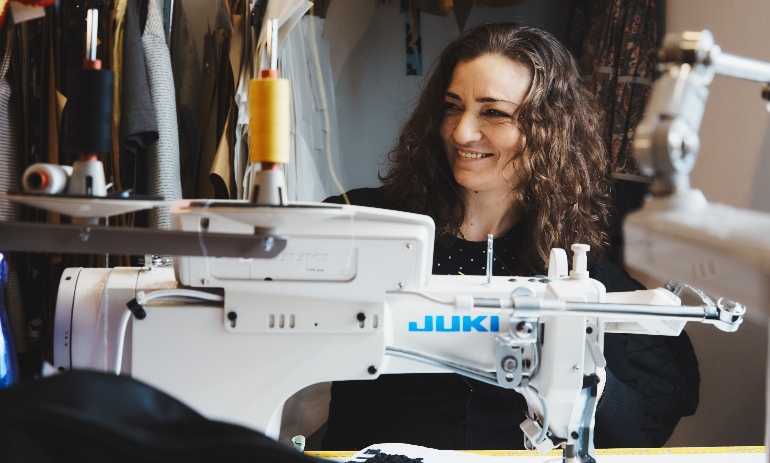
(707, 245)
(352, 285)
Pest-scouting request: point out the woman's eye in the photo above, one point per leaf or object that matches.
(496, 113)
(449, 106)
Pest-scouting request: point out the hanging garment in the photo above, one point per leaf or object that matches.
(163, 157)
(215, 100)
(168, 11)
(138, 125)
(221, 173)
(54, 101)
(310, 175)
(615, 43)
(10, 175)
(117, 58)
(288, 13)
(187, 81)
(242, 34)
(10, 155)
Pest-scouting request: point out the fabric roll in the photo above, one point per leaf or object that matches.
(163, 156)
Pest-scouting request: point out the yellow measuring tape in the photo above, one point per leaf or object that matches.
(557, 453)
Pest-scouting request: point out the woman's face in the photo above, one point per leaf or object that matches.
(478, 128)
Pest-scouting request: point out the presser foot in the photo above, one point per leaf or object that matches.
(571, 455)
(581, 448)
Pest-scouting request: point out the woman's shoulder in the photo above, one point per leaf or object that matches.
(370, 197)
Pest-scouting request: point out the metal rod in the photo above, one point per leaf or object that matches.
(491, 303)
(93, 29)
(470, 372)
(274, 45)
(490, 255)
(739, 67)
(84, 239)
(89, 25)
(612, 311)
(692, 313)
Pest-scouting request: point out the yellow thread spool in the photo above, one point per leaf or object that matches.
(269, 118)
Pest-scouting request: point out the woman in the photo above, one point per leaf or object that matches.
(505, 141)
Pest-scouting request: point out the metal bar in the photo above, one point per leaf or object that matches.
(470, 372)
(94, 31)
(632, 311)
(490, 255)
(85, 239)
(537, 307)
(739, 67)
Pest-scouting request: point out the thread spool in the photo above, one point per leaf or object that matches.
(89, 111)
(46, 178)
(87, 178)
(579, 261)
(269, 119)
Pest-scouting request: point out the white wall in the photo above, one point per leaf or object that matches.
(734, 168)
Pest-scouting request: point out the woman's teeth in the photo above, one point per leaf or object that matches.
(473, 155)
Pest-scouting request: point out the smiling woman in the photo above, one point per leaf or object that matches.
(504, 140)
(515, 93)
(481, 140)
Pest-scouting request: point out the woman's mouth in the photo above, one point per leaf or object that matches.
(467, 155)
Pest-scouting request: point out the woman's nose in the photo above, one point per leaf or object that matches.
(467, 129)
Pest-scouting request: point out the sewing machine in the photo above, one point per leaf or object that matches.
(351, 297)
(678, 234)
(345, 292)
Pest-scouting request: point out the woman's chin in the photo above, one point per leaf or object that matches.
(471, 184)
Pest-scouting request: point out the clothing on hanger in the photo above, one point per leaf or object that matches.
(163, 159)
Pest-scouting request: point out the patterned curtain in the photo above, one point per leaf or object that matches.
(615, 43)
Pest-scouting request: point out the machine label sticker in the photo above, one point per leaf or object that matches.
(457, 323)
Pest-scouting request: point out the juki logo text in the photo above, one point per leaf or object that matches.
(454, 323)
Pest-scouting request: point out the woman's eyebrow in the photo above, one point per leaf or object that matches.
(485, 99)
(494, 100)
(453, 96)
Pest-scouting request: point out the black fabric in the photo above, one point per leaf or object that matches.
(652, 381)
(90, 416)
(627, 197)
(89, 111)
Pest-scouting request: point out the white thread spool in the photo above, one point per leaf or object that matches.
(87, 179)
(46, 178)
(579, 261)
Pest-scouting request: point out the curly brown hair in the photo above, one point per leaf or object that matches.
(563, 164)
